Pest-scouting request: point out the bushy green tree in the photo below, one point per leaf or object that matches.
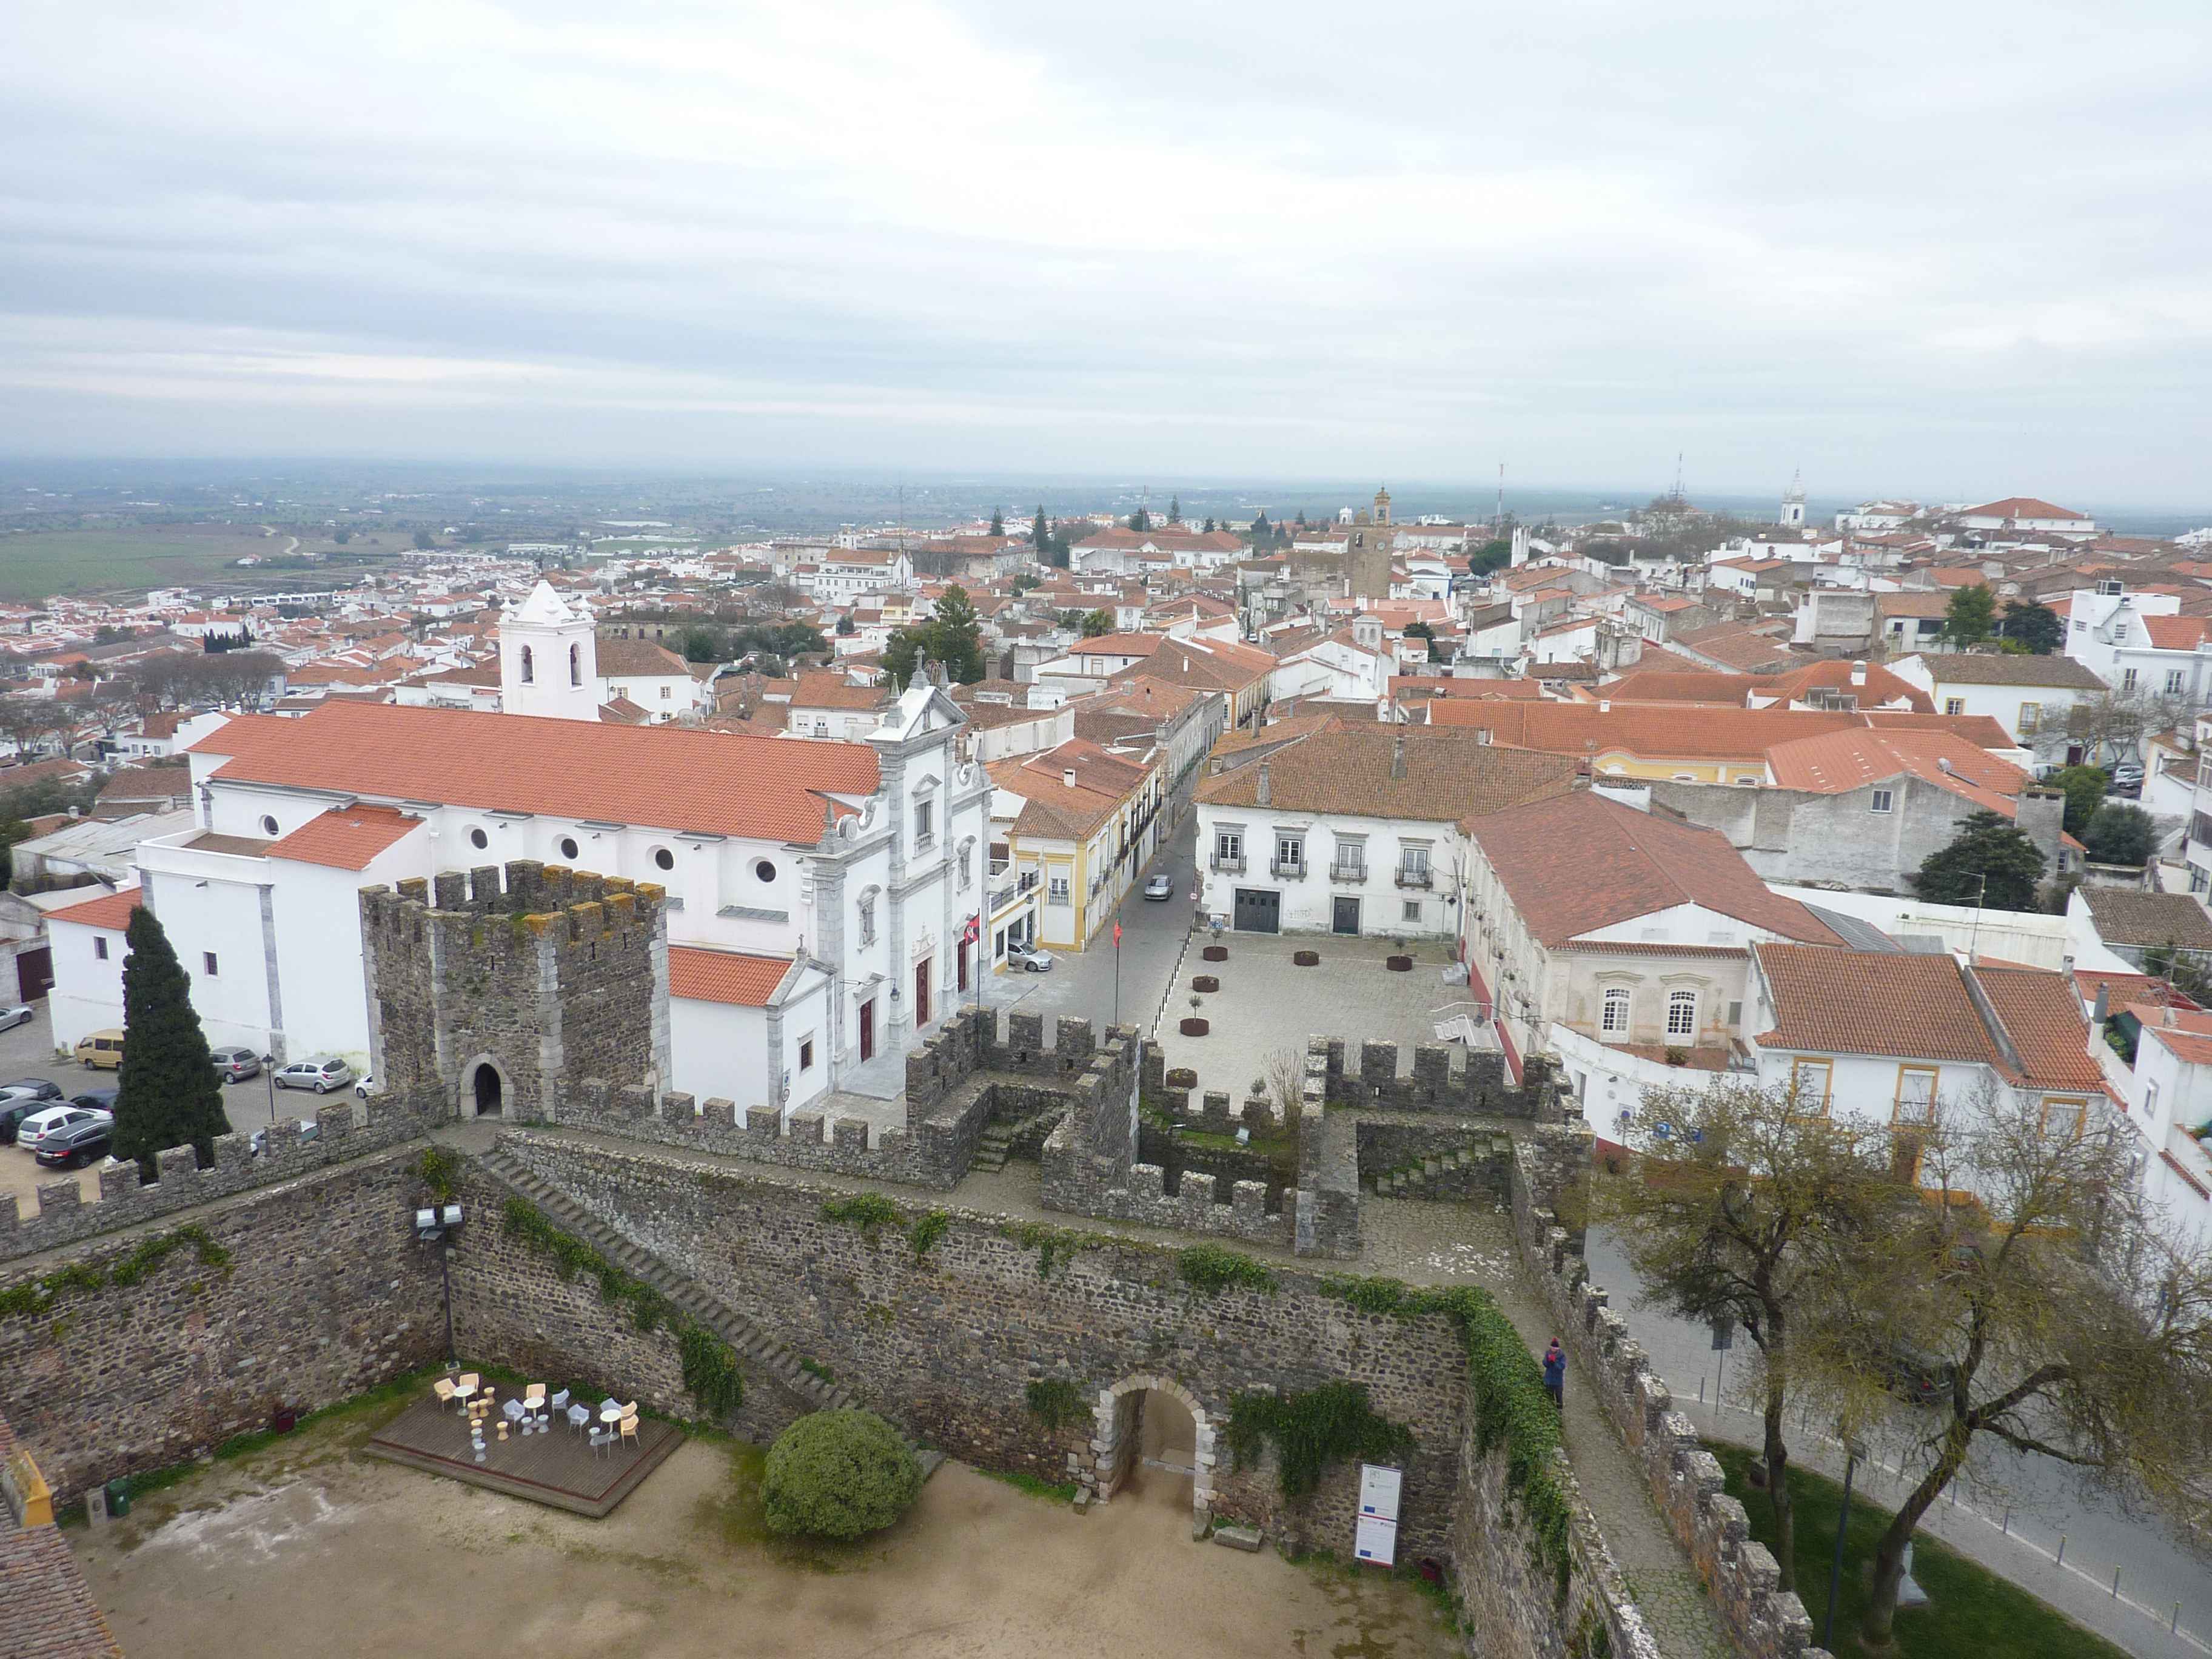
(424, 539)
(1041, 534)
(2035, 626)
(1491, 555)
(1971, 616)
(1988, 849)
(1097, 623)
(2121, 834)
(953, 637)
(167, 1092)
(2085, 793)
(839, 1474)
(998, 521)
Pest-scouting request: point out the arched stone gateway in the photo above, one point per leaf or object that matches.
(1119, 1412)
(484, 1091)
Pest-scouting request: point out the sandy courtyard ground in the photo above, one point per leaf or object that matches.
(310, 1547)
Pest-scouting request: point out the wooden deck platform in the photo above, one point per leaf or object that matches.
(558, 1468)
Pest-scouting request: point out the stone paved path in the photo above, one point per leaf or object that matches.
(1447, 1244)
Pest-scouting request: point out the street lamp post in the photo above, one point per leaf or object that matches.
(436, 1224)
(269, 1080)
(1853, 1451)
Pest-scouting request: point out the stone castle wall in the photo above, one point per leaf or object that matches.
(325, 1293)
(1762, 1621)
(347, 1129)
(553, 975)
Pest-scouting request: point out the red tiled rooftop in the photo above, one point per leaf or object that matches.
(734, 977)
(348, 838)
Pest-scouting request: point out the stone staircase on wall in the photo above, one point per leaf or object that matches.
(1439, 1176)
(1005, 1135)
(755, 1347)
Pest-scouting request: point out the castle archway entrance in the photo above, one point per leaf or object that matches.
(1157, 1446)
(489, 1091)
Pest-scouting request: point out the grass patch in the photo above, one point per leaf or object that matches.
(1970, 1610)
(1210, 1269)
(1020, 1481)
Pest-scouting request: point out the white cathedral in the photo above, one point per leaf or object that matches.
(550, 664)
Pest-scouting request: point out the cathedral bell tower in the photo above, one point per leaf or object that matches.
(549, 658)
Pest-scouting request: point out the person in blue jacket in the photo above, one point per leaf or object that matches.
(1555, 1374)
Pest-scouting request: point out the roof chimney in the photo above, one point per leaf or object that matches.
(1261, 794)
(1067, 777)
(1858, 673)
(1605, 705)
(1398, 754)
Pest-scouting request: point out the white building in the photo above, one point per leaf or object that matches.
(862, 864)
(1358, 829)
(2137, 645)
(2030, 696)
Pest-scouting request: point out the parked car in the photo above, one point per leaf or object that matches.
(1915, 1376)
(31, 1088)
(310, 1129)
(323, 1073)
(2127, 778)
(95, 1100)
(364, 1085)
(1021, 954)
(13, 1112)
(33, 1131)
(236, 1065)
(1160, 887)
(15, 1014)
(101, 1049)
(76, 1143)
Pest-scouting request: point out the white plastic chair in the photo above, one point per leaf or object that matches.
(579, 1416)
(602, 1439)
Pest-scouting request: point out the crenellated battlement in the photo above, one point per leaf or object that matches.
(344, 1130)
(499, 989)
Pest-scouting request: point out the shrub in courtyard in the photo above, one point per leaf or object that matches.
(839, 1474)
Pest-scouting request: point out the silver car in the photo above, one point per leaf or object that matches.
(323, 1073)
(1026, 957)
(10, 1017)
(55, 1120)
(236, 1065)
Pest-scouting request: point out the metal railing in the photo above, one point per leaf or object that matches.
(1415, 878)
(1342, 871)
(1227, 866)
(1288, 869)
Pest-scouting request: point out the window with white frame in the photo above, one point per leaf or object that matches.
(2150, 1101)
(1413, 863)
(867, 920)
(2128, 679)
(1289, 853)
(1412, 910)
(1055, 891)
(1808, 1087)
(1229, 847)
(2031, 717)
(1682, 1013)
(1613, 1021)
(2174, 677)
(1881, 800)
(1955, 705)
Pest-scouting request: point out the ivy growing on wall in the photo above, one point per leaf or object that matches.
(38, 1295)
(869, 1211)
(1511, 1407)
(710, 1364)
(1055, 1246)
(927, 1229)
(1055, 1401)
(438, 1170)
(1311, 1431)
(1211, 1269)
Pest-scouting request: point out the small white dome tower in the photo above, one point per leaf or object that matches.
(549, 658)
(1793, 504)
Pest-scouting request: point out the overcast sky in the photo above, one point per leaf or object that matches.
(1952, 250)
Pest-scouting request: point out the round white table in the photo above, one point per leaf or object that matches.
(611, 1414)
(462, 1391)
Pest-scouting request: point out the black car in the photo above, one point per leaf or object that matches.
(1915, 1375)
(13, 1114)
(81, 1143)
(93, 1100)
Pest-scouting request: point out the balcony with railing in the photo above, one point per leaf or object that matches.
(1411, 875)
(1227, 864)
(1348, 870)
(1293, 869)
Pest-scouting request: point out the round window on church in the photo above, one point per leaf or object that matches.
(663, 858)
(478, 840)
(764, 870)
(568, 847)
(268, 823)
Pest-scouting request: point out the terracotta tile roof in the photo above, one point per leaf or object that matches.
(1836, 763)
(1579, 862)
(348, 838)
(2176, 633)
(1449, 776)
(828, 687)
(2020, 506)
(1879, 686)
(667, 776)
(636, 659)
(1994, 668)
(2040, 1013)
(2187, 1032)
(109, 910)
(733, 977)
(1861, 1002)
(2124, 916)
(45, 1607)
(1911, 1006)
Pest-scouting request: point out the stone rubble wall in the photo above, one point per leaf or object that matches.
(946, 1345)
(1386, 1147)
(1367, 1075)
(1551, 1174)
(325, 1293)
(347, 1129)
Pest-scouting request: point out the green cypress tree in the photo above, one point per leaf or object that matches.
(166, 1093)
(1041, 534)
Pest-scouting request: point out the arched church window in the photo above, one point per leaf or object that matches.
(575, 665)
(528, 670)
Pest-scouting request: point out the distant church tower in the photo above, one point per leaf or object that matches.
(549, 658)
(1368, 550)
(1793, 504)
